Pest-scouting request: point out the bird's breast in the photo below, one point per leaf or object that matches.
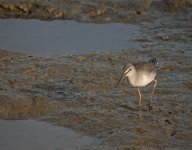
(141, 80)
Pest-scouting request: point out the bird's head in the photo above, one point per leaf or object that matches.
(128, 70)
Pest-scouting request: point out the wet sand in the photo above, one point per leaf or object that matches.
(101, 11)
(77, 90)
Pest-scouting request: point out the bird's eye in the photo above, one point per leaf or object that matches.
(130, 69)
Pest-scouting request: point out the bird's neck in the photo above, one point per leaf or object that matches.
(132, 78)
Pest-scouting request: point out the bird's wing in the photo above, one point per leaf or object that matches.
(145, 66)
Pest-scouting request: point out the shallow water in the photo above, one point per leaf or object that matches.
(38, 135)
(84, 85)
(61, 37)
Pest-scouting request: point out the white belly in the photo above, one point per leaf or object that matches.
(141, 80)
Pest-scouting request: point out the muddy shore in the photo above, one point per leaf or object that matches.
(77, 91)
(101, 11)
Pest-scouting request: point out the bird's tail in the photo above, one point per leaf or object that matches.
(155, 63)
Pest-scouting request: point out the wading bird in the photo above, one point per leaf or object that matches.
(140, 75)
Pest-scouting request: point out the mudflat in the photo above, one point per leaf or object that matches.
(78, 90)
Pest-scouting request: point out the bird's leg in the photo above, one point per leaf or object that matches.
(152, 92)
(139, 98)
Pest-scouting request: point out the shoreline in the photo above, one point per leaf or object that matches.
(78, 92)
(92, 11)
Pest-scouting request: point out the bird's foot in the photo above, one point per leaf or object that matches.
(150, 107)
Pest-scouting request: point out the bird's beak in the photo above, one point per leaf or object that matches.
(121, 79)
